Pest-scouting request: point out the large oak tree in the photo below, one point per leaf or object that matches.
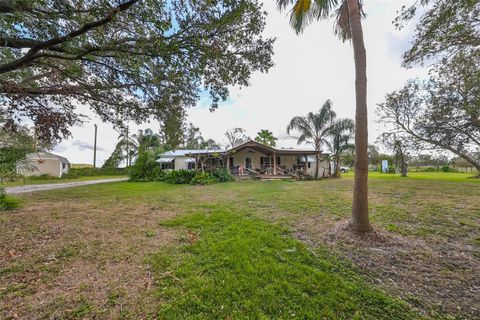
(125, 59)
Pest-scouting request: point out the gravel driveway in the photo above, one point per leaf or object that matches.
(52, 186)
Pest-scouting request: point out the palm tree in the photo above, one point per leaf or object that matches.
(348, 26)
(266, 137)
(340, 135)
(128, 144)
(146, 140)
(314, 129)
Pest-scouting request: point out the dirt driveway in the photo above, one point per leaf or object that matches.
(52, 186)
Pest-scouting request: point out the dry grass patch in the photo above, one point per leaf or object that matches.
(68, 260)
(439, 278)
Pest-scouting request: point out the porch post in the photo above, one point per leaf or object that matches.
(274, 164)
(306, 164)
(228, 162)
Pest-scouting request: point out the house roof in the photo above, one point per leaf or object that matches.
(185, 152)
(47, 155)
(251, 144)
(165, 160)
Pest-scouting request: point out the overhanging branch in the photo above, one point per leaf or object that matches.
(32, 53)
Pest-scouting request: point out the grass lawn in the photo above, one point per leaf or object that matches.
(244, 250)
(27, 181)
(443, 176)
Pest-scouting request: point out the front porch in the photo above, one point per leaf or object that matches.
(253, 158)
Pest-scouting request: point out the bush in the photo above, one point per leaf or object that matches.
(44, 176)
(89, 172)
(181, 176)
(203, 179)
(446, 168)
(9, 156)
(222, 175)
(6, 202)
(145, 168)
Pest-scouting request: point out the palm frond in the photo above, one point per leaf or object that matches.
(300, 124)
(306, 11)
(323, 8)
(341, 27)
(300, 15)
(324, 118)
(283, 4)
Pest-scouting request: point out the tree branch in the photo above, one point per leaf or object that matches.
(32, 53)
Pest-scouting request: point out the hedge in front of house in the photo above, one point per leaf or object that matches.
(180, 176)
(203, 179)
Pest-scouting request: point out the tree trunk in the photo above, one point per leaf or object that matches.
(403, 164)
(317, 164)
(337, 166)
(404, 169)
(359, 221)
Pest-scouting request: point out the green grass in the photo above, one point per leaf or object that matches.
(244, 268)
(235, 254)
(442, 176)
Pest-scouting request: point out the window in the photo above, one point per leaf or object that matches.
(268, 161)
(248, 163)
(167, 165)
(191, 165)
(301, 162)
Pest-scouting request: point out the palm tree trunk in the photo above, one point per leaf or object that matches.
(359, 221)
(337, 166)
(317, 164)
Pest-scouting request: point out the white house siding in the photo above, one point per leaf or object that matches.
(52, 167)
(323, 167)
(180, 163)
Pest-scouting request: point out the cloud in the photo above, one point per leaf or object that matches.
(85, 146)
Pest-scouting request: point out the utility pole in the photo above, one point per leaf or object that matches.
(95, 148)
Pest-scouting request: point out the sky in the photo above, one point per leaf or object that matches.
(309, 69)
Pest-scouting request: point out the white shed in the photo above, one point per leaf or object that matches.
(38, 163)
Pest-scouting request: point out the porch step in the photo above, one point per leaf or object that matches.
(272, 177)
(245, 177)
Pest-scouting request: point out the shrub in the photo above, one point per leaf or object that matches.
(89, 172)
(9, 157)
(6, 202)
(44, 176)
(204, 179)
(145, 168)
(222, 175)
(446, 168)
(181, 176)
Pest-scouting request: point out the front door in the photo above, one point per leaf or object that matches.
(248, 163)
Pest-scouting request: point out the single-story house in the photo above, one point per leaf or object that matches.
(38, 163)
(250, 156)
